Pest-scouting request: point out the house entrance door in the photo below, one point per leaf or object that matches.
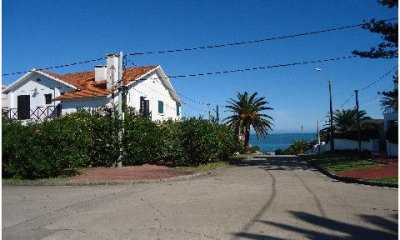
(24, 106)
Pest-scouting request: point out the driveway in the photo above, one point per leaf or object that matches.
(263, 198)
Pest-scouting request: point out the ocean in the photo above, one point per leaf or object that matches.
(279, 140)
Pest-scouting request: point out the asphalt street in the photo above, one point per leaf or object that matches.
(261, 198)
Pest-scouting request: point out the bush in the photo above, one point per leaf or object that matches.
(298, 147)
(197, 141)
(365, 135)
(40, 150)
(143, 140)
(80, 139)
(254, 149)
(279, 152)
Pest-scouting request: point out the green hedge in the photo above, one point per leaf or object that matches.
(85, 139)
(365, 135)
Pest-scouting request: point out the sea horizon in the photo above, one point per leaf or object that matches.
(282, 141)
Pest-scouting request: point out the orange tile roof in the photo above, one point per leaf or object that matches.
(88, 87)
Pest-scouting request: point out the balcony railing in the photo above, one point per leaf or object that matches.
(34, 114)
(145, 113)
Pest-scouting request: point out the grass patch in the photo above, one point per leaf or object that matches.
(390, 180)
(202, 167)
(338, 162)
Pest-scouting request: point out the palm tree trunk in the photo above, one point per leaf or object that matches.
(246, 136)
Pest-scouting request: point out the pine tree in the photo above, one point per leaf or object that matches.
(388, 48)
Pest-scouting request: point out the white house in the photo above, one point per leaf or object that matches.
(4, 100)
(39, 94)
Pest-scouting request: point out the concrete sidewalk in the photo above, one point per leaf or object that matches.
(263, 198)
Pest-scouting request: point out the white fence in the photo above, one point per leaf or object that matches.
(346, 144)
(392, 149)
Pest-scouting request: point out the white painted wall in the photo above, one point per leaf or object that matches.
(36, 90)
(4, 99)
(71, 105)
(154, 90)
(344, 144)
(392, 149)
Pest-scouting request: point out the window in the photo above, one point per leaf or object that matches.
(160, 107)
(47, 98)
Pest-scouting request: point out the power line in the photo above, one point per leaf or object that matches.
(252, 41)
(263, 67)
(180, 94)
(347, 100)
(369, 85)
(55, 67)
(207, 46)
(379, 79)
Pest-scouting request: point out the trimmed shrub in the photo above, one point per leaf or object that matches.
(143, 141)
(80, 139)
(365, 135)
(205, 142)
(40, 150)
(173, 151)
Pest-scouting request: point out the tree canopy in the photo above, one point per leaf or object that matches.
(389, 34)
(247, 110)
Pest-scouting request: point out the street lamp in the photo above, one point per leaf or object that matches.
(331, 113)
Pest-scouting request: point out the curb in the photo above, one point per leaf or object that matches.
(112, 182)
(347, 179)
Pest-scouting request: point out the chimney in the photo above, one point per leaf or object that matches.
(100, 72)
(112, 70)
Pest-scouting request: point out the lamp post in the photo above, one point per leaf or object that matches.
(332, 144)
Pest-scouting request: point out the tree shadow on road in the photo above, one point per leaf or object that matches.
(385, 228)
(274, 163)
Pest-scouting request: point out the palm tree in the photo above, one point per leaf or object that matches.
(346, 120)
(390, 100)
(247, 111)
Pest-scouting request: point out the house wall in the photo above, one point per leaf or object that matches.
(70, 106)
(153, 90)
(4, 99)
(36, 90)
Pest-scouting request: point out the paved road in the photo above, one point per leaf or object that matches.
(264, 198)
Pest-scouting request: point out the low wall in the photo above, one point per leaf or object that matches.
(392, 149)
(343, 144)
(346, 144)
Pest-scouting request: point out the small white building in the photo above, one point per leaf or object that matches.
(40, 94)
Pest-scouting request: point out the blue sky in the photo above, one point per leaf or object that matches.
(45, 33)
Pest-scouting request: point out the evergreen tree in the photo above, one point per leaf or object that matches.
(387, 48)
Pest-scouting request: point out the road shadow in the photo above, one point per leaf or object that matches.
(385, 228)
(274, 163)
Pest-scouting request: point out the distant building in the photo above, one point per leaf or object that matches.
(40, 94)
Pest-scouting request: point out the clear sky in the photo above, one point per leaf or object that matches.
(44, 33)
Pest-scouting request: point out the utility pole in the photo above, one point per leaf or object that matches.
(209, 113)
(217, 113)
(112, 91)
(331, 118)
(120, 113)
(358, 123)
(319, 138)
